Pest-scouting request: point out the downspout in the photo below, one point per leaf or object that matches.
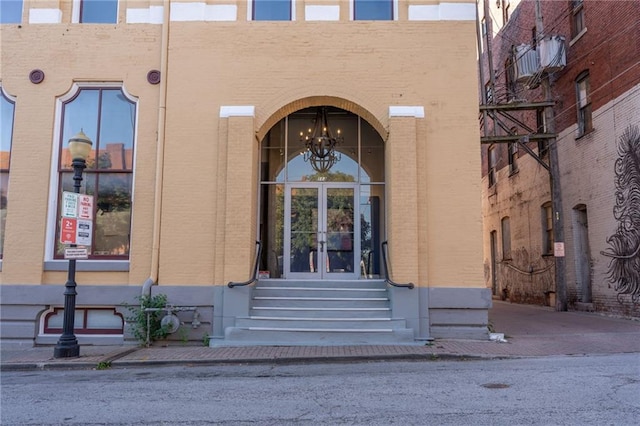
(162, 115)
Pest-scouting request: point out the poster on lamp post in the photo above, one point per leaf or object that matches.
(76, 225)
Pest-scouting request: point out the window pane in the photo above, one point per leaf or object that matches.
(272, 228)
(81, 113)
(372, 10)
(10, 11)
(6, 131)
(6, 134)
(371, 228)
(117, 124)
(273, 158)
(582, 93)
(99, 11)
(113, 214)
(103, 318)
(304, 229)
(506, 239)
(272, 10)
(55, 320)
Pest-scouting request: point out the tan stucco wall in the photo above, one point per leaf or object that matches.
(210, 164)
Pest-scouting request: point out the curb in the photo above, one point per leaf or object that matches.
(114, 363)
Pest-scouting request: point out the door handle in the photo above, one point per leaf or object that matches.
(321, 245)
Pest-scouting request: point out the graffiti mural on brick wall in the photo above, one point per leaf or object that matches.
(624, 250)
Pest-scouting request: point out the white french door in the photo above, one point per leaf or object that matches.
(322, 233)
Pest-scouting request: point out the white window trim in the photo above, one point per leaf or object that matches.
(250, 10)
(75, 12)
(94, 265)
(352, 10)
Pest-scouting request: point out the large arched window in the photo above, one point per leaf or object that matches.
(7, 107)
(107, 115)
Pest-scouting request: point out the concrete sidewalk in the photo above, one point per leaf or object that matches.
(529, 330)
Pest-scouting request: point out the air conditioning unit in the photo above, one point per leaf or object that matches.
(553, 55)
(526, 62)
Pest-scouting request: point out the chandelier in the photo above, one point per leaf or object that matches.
(320, 144)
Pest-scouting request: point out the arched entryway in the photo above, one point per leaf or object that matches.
(322, 218)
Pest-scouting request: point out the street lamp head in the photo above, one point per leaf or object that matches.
(80, 146)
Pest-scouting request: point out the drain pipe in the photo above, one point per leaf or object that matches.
(162, 115)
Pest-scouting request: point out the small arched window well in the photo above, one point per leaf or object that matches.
(87, 321)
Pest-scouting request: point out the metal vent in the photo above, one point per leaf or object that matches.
(553, 56)
(526, 62)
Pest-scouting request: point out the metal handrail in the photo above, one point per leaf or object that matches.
(386, 270)
(254, 277)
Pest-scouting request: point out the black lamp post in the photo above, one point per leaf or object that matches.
(67, 347)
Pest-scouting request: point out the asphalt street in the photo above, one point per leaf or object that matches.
(567, 390)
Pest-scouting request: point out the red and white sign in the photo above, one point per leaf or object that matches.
(68, 230)
(85, 206)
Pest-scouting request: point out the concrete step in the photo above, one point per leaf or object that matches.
(238, 336)
(271, 322)
(320, 302)
(320, 312)
(279, 291)
(371, 284)
(312, 312)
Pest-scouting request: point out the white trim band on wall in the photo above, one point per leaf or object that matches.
(237, 111)
(181, 12)
(322, 13)
(406, 111)
(150, 15)
(45, 16)
(443, 12)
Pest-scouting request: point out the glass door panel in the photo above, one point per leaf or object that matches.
(339, 219)
(303, 221)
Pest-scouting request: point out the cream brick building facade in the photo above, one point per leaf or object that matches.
(227, 82)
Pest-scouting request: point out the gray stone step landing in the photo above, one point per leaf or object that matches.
(302, 313)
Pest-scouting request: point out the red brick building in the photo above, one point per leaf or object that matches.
(590, 51)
